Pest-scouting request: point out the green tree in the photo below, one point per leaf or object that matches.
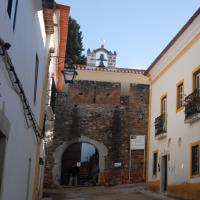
(74, 43)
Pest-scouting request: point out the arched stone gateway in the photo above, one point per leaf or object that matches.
(94, 112)
(58, 153)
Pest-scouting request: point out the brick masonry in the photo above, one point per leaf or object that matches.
(92, 92)
(97, 110)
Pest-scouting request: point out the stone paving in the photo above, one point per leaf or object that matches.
(122, 192)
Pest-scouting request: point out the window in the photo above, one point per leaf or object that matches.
(155, 163)
(53, 95)
(9, 8)
(195, 159)
(179, 96)
(12, 11)
(196, 79)
(36, 77)
(164, 104)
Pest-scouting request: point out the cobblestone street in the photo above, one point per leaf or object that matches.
(122, 192)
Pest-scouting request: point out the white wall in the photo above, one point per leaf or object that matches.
(28, 38)
(54, 42)
(181, 68)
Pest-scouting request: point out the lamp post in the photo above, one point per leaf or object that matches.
(69, 72)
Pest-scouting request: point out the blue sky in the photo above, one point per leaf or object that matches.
(87, 151)
(138, 30)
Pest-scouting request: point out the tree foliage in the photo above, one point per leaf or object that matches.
(74, 43)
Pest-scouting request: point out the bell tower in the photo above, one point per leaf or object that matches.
(101, 57)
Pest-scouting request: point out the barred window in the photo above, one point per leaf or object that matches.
(197, 80)
(195, 160)
(155, 162)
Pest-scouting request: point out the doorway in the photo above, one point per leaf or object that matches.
(164, 174)
(80, 160)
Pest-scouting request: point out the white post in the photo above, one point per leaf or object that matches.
(144, 165)
(129, 172)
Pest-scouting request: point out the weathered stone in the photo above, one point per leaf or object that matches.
(104, 121)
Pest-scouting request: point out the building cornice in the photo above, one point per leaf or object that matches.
(117, 70)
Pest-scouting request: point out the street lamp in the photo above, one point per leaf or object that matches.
(69, 72)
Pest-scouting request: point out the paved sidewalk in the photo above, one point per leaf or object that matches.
(122, 192)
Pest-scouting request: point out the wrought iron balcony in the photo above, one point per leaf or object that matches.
(192, 106)
(161, 124)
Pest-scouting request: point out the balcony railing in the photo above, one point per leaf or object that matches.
(192, 104)
(161, 124)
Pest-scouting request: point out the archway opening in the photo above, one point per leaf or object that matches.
(80, 165)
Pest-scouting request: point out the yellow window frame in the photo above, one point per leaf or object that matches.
(179, 108)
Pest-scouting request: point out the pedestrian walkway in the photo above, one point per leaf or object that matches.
(122, 192)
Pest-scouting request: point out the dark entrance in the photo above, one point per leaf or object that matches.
(80, 165)
(164, 174)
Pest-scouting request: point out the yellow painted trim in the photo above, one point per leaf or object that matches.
(161, 98)
(194, 72)
(185, 191)
(177, 95)
(178, 57)
(148, 75)
(156, 151)
(154, 185)
(148, 134)
(196, 69)
(179, 109)
(192, 145)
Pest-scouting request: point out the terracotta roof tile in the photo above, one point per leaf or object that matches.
(120, 70)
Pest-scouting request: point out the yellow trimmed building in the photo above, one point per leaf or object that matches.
(174, 115)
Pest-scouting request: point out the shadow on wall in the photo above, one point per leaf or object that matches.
(74, 127)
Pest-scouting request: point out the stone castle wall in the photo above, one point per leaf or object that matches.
(97, 111)
(93, 92)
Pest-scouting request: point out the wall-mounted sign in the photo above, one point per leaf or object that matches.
(78, 164)
(117, 164)
(137, 142)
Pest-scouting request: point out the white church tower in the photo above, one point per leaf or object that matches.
(101, 57)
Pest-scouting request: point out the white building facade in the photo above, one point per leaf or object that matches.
(24, 72)
(174, 127)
